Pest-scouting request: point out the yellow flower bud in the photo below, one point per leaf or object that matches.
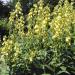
(68, 39)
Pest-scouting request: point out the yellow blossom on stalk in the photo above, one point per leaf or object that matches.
(17, 52)
(62, 23)
(61, 26)
(16, 19)
(68, 39)
(8, 44)
(32, 54)
(39, 17)
(11, 46)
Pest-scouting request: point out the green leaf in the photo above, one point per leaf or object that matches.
(46, 74)
(65, 72)
(63, 68)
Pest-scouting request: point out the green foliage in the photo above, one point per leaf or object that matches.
(3, 23)
(4, 69)
(47, 45)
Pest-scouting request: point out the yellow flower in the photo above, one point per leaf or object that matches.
(36, 26)
(44, 21)
(68, 39)
(30, 13)
(31, 59)
(40, 8)
(35, 5)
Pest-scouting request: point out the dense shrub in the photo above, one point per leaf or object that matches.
(42, 43)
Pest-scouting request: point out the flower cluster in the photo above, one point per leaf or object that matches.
(61, 29)
(61, 24)
(39, 17)
(16, 20)
(49, 39)
(11, 45)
